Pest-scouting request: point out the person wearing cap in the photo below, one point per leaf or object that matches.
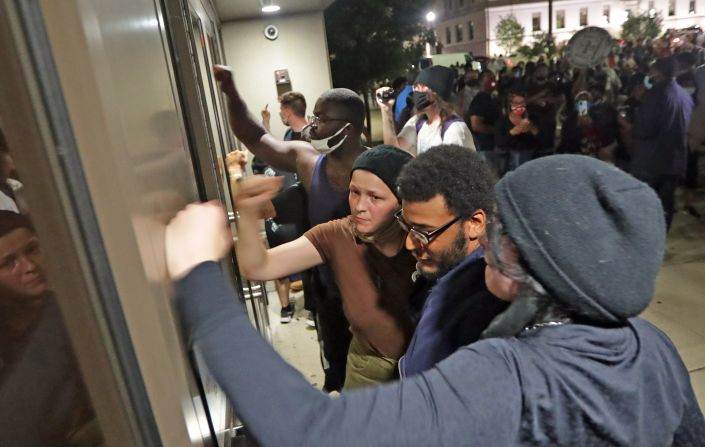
(435, 122)
(568, 363)
(365, 252)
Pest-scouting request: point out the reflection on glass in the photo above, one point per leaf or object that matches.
(43, 401)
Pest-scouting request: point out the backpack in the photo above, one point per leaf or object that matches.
(453, 119)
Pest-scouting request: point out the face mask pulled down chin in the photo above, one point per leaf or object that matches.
(324, 146)
(421, 100)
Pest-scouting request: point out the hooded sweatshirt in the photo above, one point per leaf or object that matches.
(569, 385)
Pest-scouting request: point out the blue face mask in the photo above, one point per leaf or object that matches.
(647, 83)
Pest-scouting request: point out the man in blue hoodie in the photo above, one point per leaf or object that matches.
(575, 247)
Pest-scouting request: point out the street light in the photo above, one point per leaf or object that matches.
(430, 18)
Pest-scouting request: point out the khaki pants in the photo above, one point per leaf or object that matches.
(367, 367)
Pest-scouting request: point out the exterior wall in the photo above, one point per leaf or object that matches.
(301, 48)
(524, 14)
(486, 14)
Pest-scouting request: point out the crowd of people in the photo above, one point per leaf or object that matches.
(453, 309)
(621, 111)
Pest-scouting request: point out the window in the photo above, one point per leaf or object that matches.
(606, 13)
(461, 3)
(449, 5)
(691, 7)
(536, 21)
(458, 33)
(560, 19)
(583, 16)
(671, 7)
(471, 31)
(447, 35)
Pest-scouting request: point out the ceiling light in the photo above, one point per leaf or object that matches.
(269, 6)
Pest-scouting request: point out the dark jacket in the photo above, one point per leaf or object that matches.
(458, 308)
(659, 132)
(570, 385)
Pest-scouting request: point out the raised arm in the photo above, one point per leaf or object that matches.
(255, 261)
(279, 154)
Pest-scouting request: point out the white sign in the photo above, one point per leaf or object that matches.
(588, 47)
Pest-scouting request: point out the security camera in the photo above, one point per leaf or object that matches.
(271, 32)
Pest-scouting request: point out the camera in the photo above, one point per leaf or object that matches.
(271, 32)
(385, 95)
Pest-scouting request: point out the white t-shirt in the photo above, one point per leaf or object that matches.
(430, 135)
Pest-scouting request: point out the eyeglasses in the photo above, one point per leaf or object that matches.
(425, 237)
(316, 120)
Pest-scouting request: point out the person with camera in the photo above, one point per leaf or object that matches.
(435, 122)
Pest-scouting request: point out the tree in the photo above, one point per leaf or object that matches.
(542, 44)
(371, 40)
(510, 33)
(642, 25)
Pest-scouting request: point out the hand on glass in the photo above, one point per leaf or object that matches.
(224, 78)
(197, 234)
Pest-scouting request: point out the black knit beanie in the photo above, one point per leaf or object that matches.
(384, 161)
(439, 79)
(591, 234)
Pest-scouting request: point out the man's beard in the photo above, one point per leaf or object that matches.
(448, 259)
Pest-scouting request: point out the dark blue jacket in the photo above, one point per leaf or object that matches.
(458, 308)
(659, 132)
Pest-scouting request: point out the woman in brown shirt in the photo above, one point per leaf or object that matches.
(365, 251)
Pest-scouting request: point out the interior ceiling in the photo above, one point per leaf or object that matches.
(249, 9)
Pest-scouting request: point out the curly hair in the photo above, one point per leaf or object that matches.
(458, 174)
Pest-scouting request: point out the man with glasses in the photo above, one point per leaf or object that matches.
(322, 164)
(446, 202)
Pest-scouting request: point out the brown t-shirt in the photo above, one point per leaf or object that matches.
(375, 289)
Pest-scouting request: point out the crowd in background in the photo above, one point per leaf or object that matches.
(638, 109)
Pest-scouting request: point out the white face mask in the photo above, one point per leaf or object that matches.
(323, 145)
(689, 90)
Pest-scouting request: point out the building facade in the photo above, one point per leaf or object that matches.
(469, 25)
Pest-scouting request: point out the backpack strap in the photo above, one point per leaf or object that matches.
(419, 123)
(453, 119)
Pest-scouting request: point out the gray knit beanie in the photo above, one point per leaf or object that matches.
(591, 234)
